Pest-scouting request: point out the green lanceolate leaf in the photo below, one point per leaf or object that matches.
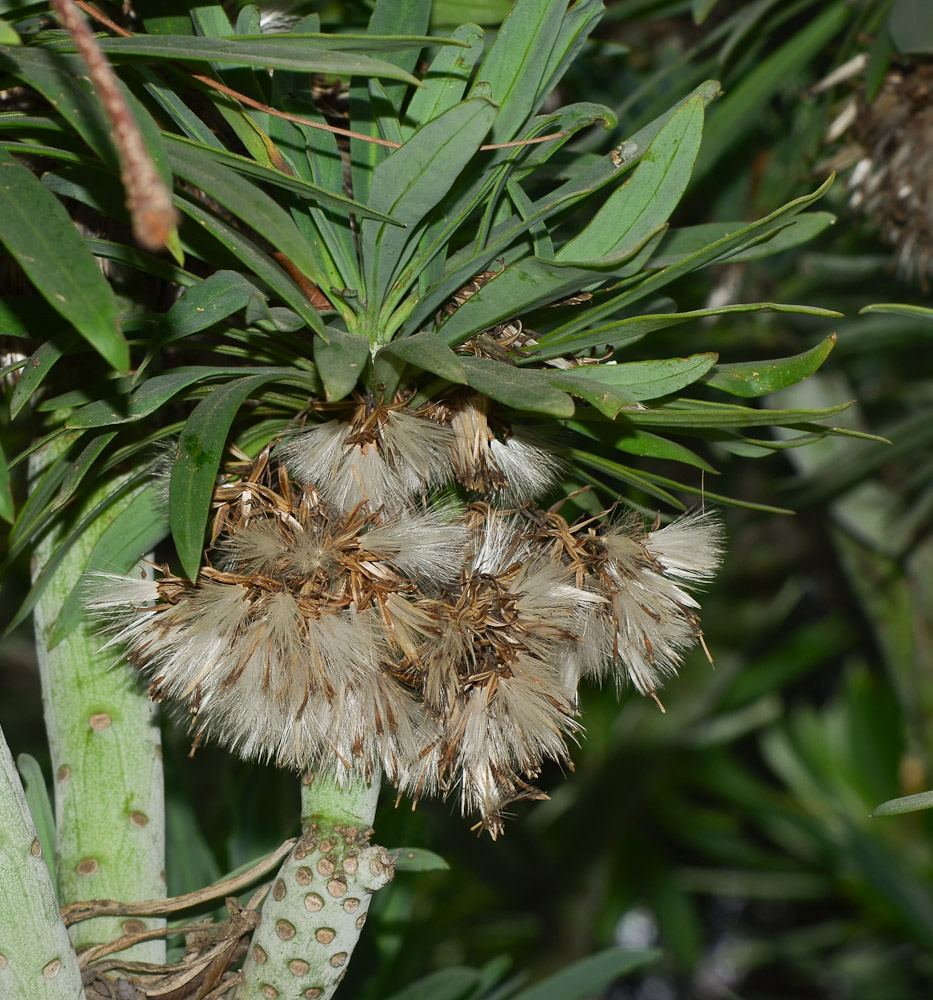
(694, 413)
(906, 804)
(410, 183)
(647, 199)
(400, 17)
(218, 296)
(430, 353)
(521, 389)
(650, 379)
(7, 510)
(590, 975)
(632, 329)
(200, 449)
(446, 80)
(37, 367)
(78, 469)
(37, 231)
(302, 53)
(516, 64)
(755, 378)
(418, 859)
(340, 362)
(533, 282)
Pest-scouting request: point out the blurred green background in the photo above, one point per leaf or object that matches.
(734, 831)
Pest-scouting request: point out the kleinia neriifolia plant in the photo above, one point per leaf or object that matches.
(340, 472)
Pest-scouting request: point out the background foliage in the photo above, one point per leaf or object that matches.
(735, 833)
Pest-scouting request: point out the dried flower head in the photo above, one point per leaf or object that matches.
(442, 643)
(893, 181)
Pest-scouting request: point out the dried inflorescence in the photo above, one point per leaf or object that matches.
(893, 181)
(348, 620)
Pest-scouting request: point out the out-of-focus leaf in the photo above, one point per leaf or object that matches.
(521, 389)
(8, 35)
(40, 808)
(898, 308)
(745, 101)
(910, 25)
(7, 510)
(590, 976)
(450, 13)
(418, 859)
(651, 379)
(340, 361)
(136, 530)
(755, 378)
(37, 231)
(445, 984)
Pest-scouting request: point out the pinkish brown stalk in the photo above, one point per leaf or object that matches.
(148, 199)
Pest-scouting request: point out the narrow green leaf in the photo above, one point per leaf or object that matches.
(430, 353)
(445, 81)
(627, 331)
(532, 282)
(898, 309)
(8, 35)
(680, 243)
(516, 63)
(418, 859)
(755, 378)
(520, 389)
(906, 804)
(693, 413)
(256, 171)
(651, 193)
(200, 449)
(411, 182)
(261, 264)
(590, 976)
(302, 53)
(340, 362)
(40, 808)
(400, 17)
(7, 510)
(647, 445)
(446, 984)
(141, 261)
(608, 399)
(37, 367)
(218, 296)
(80, 467)
(651, 379)
(37, 231)
(742, 105)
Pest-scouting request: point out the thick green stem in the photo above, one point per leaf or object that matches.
(36, 957)
(315, 911)
(106, 758)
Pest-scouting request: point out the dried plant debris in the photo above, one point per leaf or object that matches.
(367, 602)
(892, 182)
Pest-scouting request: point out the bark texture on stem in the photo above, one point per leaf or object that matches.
(316, 909)
(106, 757)
(36, 957)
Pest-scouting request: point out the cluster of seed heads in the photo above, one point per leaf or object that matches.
(380, 593)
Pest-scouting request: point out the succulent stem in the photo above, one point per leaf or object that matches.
(315, 911)
(36, 956)
(106, 755)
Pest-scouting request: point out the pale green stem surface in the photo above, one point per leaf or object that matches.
(315, 911)
(106, 759)
(37, 960)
